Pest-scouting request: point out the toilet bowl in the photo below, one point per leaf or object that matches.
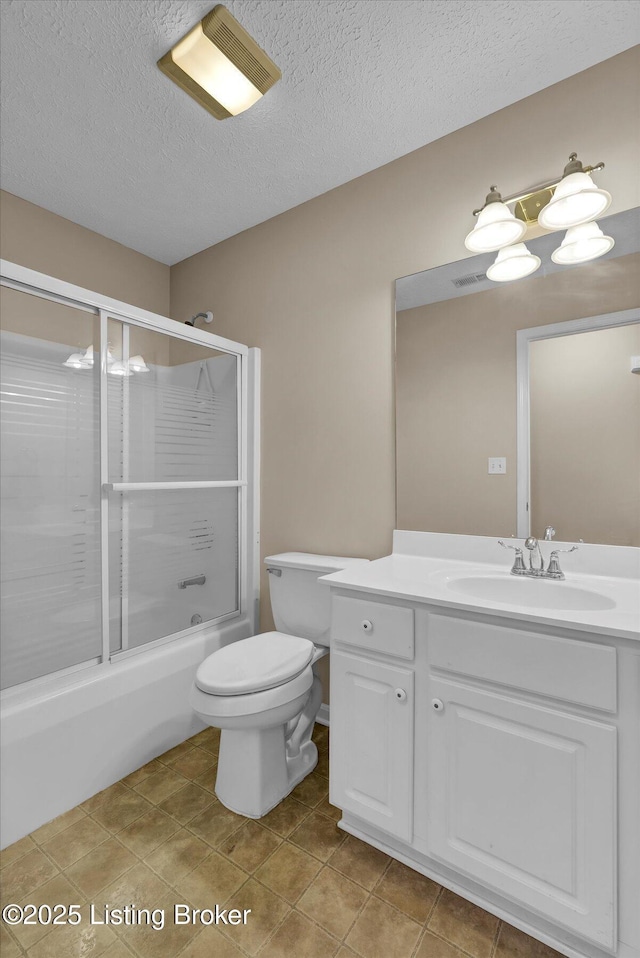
(263, 692)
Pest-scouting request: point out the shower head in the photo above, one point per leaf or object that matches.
(208, 318)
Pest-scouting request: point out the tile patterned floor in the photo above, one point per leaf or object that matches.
(160, 836)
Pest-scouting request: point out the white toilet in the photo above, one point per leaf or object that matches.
(263, 693)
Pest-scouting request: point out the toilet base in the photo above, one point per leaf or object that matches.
(254, 772)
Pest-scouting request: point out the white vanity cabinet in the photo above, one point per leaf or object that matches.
(373, 712)
(372, 754)
(522, 783)
(485, 754)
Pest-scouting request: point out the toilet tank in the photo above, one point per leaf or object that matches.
(300, 604)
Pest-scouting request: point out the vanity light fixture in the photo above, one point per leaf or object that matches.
(496, 226)
(582, 243)
(513, 262)
(576, 199)
(572, 203)
(220, 65)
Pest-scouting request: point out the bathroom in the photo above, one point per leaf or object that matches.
(117, 183)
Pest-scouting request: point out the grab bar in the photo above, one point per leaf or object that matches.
(194, 580)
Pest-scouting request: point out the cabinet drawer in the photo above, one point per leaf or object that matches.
(580, 672)
(373, 625)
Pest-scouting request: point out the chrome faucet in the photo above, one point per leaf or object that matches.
(536, 565)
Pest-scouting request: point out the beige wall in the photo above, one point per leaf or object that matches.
(314, 288)
(34, 237)
(456, 396)
(585, 440)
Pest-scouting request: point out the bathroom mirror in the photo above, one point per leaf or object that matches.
(502, 432)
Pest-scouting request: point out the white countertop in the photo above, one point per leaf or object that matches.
(429, 579)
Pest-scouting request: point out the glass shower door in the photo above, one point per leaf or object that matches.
(50, 500)
(173, 484)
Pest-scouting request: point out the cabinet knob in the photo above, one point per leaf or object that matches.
(401, 695)
(438, 705)
(367, 625)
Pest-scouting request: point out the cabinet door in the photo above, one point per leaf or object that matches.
(372, 742)
(522, 798)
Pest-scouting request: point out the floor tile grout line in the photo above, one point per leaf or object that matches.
(434, 906)
(358, 913)
(13, 860)
(496, 938)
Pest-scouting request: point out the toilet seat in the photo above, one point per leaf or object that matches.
(254, 665)
(231, 707)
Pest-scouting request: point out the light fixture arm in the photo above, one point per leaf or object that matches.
(573, 166)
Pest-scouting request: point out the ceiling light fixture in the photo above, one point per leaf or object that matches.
(513, 262)
(582, 243)
(220, 65)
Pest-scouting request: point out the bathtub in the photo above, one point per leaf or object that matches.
(65, 739)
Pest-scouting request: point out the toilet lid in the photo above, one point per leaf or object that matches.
(254, 664)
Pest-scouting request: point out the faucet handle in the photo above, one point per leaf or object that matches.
(505, 546)
(556, 552)
(518, 567)
(549, 533)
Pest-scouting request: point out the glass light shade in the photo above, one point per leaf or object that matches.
(214, 72)
(582, 243)
(496, 227)
(75, 361)
(511, 263)
(576, 200)
(118, 368)
(138, 365)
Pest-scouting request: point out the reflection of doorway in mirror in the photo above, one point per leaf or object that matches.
(584, 405)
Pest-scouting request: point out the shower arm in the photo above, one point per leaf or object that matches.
(208, 318)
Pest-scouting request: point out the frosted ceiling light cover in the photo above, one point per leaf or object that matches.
(495, 228)
(511, 263)
(576, 200)
(220, 65)
(582, 243)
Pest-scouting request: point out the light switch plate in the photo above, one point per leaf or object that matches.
(497, 466)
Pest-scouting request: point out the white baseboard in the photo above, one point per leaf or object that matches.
(322, 718)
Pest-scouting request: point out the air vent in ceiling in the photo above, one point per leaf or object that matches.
(470, 280)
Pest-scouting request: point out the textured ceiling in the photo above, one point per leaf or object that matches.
(93, 131)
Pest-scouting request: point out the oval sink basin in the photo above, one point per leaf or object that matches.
(533, 593)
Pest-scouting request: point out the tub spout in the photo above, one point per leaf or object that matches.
(194, 580)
